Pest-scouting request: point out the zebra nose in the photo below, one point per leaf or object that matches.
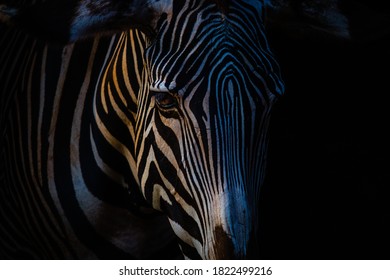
(223, 247)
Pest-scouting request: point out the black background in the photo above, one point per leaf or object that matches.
(326, 194)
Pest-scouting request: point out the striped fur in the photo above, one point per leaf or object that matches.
(225, 85)
(176, 122)
(59, 198)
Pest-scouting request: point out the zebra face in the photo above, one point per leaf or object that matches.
(202, 123)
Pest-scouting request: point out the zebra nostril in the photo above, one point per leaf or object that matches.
(224, 248)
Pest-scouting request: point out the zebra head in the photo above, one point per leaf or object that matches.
(208, 85)
(202, 123)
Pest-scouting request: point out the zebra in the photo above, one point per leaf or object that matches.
(138, 143)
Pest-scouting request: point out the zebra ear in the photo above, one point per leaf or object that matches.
(303, 17)
(70, 20)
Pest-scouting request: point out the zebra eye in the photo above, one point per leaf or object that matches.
(165, 100)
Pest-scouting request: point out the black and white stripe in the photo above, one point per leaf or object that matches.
(98, 133)
(208, 150)
(60, 197)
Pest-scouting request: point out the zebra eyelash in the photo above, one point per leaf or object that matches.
(165, 100)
